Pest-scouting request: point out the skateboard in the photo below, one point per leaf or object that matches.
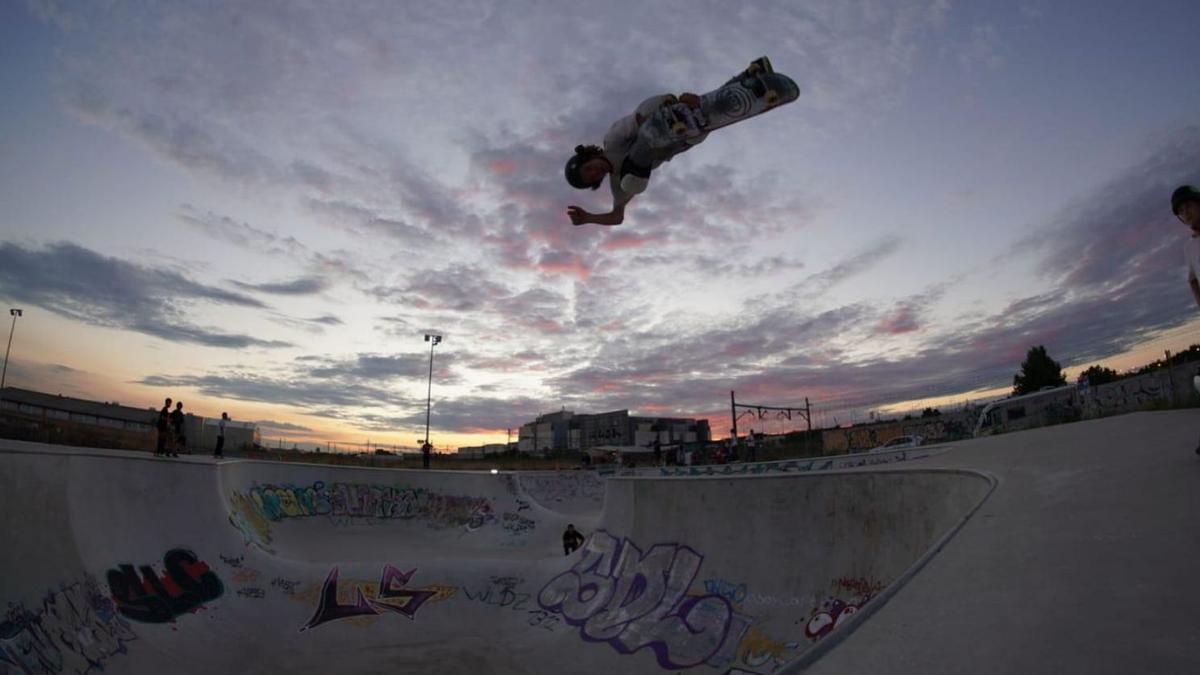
(745, 96)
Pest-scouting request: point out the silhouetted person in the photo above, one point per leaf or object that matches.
(1185, 204)
(163, 425)
(657, 452)
(426, 451)
(177, 425)
(219, 451)
(572, 540)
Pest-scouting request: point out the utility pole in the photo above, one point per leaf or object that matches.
(4, 373)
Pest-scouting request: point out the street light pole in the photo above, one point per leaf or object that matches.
(4, 373)
(433, 339)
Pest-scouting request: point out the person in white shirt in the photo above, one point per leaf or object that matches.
(626, 162)
(1185, 204)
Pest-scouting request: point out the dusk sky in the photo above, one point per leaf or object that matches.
(260, 207)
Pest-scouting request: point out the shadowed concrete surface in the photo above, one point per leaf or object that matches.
(1079, 559)
(1086, 559)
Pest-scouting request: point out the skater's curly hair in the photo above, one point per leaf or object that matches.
(582, 154)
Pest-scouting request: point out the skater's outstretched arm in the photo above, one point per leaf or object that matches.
(581, 217)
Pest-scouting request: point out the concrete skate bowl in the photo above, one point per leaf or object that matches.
(130, 564)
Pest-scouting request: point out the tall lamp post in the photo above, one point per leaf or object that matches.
(4, 373)
(433, 339)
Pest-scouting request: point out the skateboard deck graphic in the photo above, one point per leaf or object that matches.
(741, 99)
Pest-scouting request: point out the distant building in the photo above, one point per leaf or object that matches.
(54, 418)
(565, 431)
(481, 451)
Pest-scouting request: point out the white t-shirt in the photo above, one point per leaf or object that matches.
(1191, 256)
(620, 139)
(221, 427)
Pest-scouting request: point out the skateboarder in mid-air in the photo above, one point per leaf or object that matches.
(633, 147)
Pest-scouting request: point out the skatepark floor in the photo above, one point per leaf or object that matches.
(1067, 549)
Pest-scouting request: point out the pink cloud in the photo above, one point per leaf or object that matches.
(903, 320)
(624, 240)
(559, 262)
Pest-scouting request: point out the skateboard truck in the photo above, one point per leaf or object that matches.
(678, 126)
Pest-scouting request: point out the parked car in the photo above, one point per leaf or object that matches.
(898, 443)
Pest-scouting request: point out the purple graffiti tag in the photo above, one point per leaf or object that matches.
(634, 600)
(330, 610)
(391, 589)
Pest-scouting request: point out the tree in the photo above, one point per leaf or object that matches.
(1038, 370)
(931, 412)
(1098, 375)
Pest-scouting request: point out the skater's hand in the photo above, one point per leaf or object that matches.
(578, 215)
(690, 99)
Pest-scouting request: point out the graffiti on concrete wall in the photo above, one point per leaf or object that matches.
(248, 520)
(391, 595)
(185, 585)
(345, 504)
(559, 487)
(75, 630)
(732, 591)
(795, 465)
(499, 592)
(782, 466)
(1125, 395)
(359, 502)
(634, 600)
(760, 651)
(851, 595)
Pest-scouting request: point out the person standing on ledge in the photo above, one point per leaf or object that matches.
(163, 425)
(1185, 204)
(426, 451)
(219, 452)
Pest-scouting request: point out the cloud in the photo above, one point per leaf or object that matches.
(299, 286)
(83, 285)
(285, 427)
(441, 201)
(818, 283)
(241, 234)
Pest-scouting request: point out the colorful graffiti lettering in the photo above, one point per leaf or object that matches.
(616, 593)
(245, 517)
(360, 504)
(729, 590)
(759, 650)
(391, 596)
(76, 630)
(836, 611)
(186, 585)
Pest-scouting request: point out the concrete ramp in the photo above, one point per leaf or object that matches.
(131, 564)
